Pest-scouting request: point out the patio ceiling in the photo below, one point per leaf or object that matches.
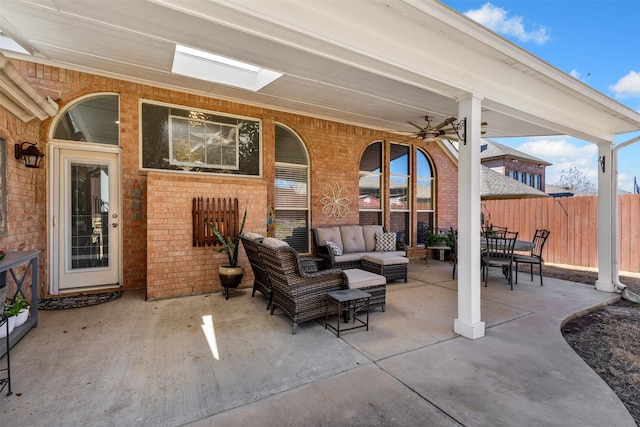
(369, 63)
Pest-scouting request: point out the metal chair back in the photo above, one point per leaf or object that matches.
(539, 239)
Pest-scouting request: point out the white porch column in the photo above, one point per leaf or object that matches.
(605, 218)
(468, 323)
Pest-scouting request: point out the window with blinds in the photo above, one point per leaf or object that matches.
(291, 190)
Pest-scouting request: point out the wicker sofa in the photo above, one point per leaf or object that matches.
(353, 242)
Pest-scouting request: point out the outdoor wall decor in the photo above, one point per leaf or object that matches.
(183, 139)
(335, 201)
(271, 222)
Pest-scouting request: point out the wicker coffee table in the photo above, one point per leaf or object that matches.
(349, 301)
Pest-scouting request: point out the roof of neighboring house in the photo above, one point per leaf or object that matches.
(556, 191)
(494, 185)
(492, 149)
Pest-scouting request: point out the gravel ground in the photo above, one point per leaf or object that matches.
(608, 339)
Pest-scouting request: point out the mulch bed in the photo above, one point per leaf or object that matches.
(608, 340)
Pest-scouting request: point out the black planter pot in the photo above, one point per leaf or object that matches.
(230, 278)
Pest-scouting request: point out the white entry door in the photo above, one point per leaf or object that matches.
(86, 220)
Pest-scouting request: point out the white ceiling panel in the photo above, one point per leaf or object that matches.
(363, 62)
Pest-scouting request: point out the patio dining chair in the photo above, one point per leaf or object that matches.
(498, 252)
(535, 257)
(494, 230)
(453, 237)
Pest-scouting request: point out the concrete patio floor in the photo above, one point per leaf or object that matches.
(205, 361)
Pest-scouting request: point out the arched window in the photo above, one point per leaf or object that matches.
(370, 196)
(291, 190)
(94, 119)
(399, 191)
(424, 196)
(404, 216)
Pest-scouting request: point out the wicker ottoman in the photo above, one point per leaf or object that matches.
(392, 267)
(372, 283)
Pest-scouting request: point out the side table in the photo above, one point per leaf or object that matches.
(348, 301)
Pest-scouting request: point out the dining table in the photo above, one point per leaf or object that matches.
(520, 245)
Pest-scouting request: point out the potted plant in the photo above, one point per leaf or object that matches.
(231, 274)
(18, 307)
(7, 323)
(438, 240)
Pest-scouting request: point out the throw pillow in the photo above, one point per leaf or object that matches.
(385, 242)
(335, 248)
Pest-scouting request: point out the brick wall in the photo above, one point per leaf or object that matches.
(334, 153)
(525, 167)
(174, 266)
(26, 196)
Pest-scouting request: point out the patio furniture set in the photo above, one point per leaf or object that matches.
(304, 286)
(501, 248)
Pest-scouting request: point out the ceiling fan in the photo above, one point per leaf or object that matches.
(450, 129)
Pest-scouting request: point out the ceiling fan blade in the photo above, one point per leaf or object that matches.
(446, 122)
(413, 124)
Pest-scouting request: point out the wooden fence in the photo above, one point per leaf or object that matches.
(573, 222)
(221, 213)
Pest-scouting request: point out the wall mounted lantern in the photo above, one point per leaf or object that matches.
(30, 154)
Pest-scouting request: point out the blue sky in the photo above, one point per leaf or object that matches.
(597, 42)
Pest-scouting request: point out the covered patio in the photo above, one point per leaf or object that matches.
(201, 360)
(375, 65)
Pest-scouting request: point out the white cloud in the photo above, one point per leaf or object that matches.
(575, 74)
(625, 182)
(564, 155)
(496, 19)
(628, 86)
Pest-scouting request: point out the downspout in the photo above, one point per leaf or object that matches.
(626, 293)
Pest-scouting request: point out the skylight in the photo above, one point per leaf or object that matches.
(219, 69)
(7, 43)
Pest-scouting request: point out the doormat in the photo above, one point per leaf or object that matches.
(77, 301)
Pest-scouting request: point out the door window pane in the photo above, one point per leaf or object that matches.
(89, 216)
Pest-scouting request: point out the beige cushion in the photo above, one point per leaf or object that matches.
(385, 259)
(396, 253)
(251, 236)
(329, 233)
(363, 279)
(274, 243)
(352, 239)
(348, 257)
(369, 234)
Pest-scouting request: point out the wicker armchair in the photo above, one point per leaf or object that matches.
(300, 294)
(261, 279)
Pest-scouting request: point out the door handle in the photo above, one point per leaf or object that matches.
(114, 225)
